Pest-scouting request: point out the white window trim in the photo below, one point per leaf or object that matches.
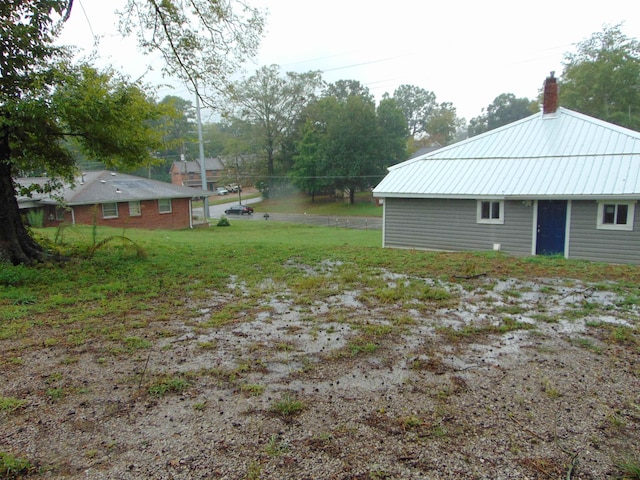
(162, 212)
(628, 227)
(110, 216)
(494, 221)
(137, 207)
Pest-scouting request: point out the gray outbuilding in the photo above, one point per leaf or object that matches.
(555, 183)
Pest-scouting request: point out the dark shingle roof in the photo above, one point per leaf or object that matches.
(106, 187)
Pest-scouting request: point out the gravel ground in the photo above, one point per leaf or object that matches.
(505, 379)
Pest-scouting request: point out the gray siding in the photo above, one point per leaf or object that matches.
(448, 224)
(589, 243)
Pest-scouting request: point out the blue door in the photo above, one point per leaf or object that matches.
(552, 218)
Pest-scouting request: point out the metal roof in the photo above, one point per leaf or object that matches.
(106, 187)
(564, 154)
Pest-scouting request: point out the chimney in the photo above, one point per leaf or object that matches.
(550, 100)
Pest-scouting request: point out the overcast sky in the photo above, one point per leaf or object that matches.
(467, 52)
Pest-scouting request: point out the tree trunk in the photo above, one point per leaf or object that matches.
(16, 245)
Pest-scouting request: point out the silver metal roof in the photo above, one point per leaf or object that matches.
(565, 154)
(106, 187)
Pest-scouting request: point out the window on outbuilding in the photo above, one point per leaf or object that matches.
(164, 205)
(109, 210)
(616, 215)
(490, 211)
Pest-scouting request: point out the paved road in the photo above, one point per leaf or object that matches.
(361, 223)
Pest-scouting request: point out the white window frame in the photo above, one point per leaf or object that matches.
(628, 226)
(499, 220)
(108, 212)
(160, 205)
(135, 209)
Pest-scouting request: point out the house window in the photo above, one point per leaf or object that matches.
(490, 211)
(134, 209)
(109, 210)
(616, 216)
(60, 213)
(164, 205)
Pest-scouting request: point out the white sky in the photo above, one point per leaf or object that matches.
(465, 51)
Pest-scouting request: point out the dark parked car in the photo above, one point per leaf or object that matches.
(239, 210)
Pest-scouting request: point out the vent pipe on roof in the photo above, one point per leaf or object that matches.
(550, 99)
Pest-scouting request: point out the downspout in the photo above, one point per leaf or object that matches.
(191, 213)
(73, 216)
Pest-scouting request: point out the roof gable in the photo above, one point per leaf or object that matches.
(560, 154)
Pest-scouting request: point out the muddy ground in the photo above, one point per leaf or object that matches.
(489, 379)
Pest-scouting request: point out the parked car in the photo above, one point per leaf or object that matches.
(233, 188)
(239, 210)
(222, 191)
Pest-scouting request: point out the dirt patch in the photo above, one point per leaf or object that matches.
(481, 378)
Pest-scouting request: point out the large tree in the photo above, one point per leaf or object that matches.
(505, 108)
(272, 103)
(602, 78)
(418, 106)
(347, 143)
(43, 104)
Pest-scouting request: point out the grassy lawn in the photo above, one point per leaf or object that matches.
(364, 205)
(138, 270)
(328, 205)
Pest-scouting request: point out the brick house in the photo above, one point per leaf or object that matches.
(188, 174)
(117, 200)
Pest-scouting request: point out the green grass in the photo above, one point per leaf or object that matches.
(10, 404)
(630, 468)
(12, 466)
(166, 385)
(114, 294)
(287, 406)
(364, 205)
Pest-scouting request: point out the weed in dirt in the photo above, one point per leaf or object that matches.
(252, 389)
(587, 343)
(629, 468)
(136, 343)
(254, 471)
(544, 317)
(10, 404)
(376, 330)
(288, 406)
(549, 389)
(55, 394)
(403, 320)
(276, 447)
(473, 332)
(361, 346)
(167, 385)
(12, 466)
(615, 420)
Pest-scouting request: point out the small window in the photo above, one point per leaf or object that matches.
(60, 213)
(616, 216)
(164, 205)
(490, 211)
(109, 210)
(134, 209)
